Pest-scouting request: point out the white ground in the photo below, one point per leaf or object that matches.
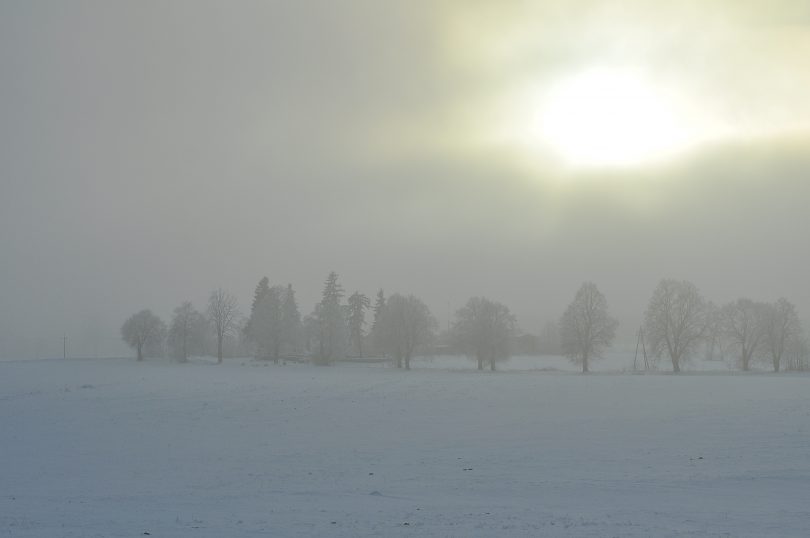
(116, 448)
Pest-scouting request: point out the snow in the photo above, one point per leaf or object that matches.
(118, 448)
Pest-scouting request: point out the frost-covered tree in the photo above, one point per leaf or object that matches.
(187, 332)
(358, 303)
(781, 327)
(379, 305)
(143, 331)
(797, 353)
(262, 289)
(331, 319)
(405, 326)
(266, 327)
(586, 328)
(675, 320)
(744, 328)
(223, 312)
(275, 323)
(482, 330)
(291, 330)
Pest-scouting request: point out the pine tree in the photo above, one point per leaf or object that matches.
(358, 303)
(290, 321)
(267, 324)
(262, 289)
(331, 322)
(379, 306)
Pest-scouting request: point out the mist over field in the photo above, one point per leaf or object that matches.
(152, 153)
(363, 268)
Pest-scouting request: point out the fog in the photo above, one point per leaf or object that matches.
(355, 268)
(151, 152)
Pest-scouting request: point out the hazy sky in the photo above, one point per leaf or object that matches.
(151, 151)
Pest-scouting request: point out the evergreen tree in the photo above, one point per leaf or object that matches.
(290, 321)
(331, 322)
(379, 306)
(267, 325)
(358, 303)
(262, 289)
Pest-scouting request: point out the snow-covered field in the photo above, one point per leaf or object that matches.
(116, 448)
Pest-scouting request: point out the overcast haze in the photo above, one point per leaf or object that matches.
(153, 151)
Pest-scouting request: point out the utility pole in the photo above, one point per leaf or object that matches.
(640, 340)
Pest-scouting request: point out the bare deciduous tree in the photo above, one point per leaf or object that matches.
(187, 331)
(223, 312)
(142, 331)
(797, 353)
(744, 328)
(483, 329)
(675, 320)
(404, 325)
(782, 325)
(586, 328)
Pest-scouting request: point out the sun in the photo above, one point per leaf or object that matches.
(607, 117)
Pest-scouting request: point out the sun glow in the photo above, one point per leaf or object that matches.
(605, 117)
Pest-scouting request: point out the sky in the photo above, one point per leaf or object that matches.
(153, 151)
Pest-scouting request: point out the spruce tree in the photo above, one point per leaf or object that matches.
(262, 289)
(358, 303)
(290, 320)
(331, 322)
(379, 306)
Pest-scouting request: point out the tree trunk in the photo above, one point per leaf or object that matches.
(399, 362)
(492, 365)
(676, 364)
(776, 361)
(480, 364)
(219, 349)
(585, 364)
(140, 352)
(407, 363)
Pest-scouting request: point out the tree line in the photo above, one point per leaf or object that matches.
(678, 324)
